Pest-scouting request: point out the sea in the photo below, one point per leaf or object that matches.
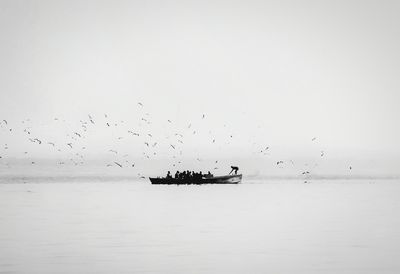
(126, 225)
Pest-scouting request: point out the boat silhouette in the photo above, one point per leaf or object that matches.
(226, 179)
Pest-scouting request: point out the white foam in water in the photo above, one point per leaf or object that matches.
(254, 227)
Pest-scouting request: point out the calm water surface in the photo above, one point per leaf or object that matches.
(255, 227)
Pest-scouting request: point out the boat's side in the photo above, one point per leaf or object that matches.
(229, 179)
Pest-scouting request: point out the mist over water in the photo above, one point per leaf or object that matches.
(302, 96)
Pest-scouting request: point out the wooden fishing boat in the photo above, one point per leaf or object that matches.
(227, 179)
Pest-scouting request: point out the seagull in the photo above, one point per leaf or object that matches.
(169, 121)
(313, 139)
(133, 165)
(140, 104)
(203, 116)
(350, 167)
(36, 139)
(172, 146)
(154, 144)
(147, 144)
(113, 151)
(118, 164)
(5, 121)
(180, 141)
(322, 153)
(108, 124)
(305, 172)
(133, 133)
(213, 140)
(150, 135)
(91, 119)
(77, 134)
(70, 145)
(279, 162)
(50, 143)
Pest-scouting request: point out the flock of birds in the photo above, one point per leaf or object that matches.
(72, 144)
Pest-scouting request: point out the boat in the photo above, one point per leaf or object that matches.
(227, 179)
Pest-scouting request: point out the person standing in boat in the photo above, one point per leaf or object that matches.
(234, 169)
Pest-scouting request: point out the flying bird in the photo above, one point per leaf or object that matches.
(140, 104)
(172, 146)
(133, 133)
(70, 145)
(91, 119)
(279, 162)
(113, 151)
(313, 139)
(118, 164)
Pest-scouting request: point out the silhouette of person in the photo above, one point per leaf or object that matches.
(234, 169)
(169, 174)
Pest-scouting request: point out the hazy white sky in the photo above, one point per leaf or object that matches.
(275, 73)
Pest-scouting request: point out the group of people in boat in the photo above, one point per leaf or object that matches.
(189, 175)
(196, 175)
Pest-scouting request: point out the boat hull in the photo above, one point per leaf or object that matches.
(228, 179)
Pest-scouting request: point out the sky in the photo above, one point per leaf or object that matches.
(267, 73)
